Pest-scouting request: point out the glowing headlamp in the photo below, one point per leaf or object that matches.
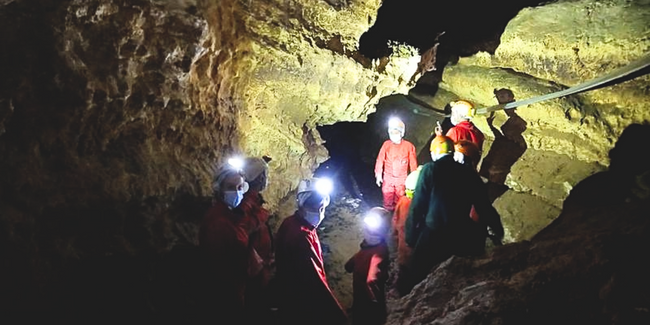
(394, 122)
(324, 186)
(372, 221)
(236, 163)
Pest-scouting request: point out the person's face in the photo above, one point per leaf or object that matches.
(395, 136)
(372, 237)
(316, 208)
(314, 212)
(456, 117)
(233, 182)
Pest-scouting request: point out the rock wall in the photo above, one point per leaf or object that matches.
(546, 49)
(585, 273)
(305, 70)
(114, 114)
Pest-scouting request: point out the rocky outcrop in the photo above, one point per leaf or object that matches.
(591, 274)
(114, 115)
(546, 49)
(304, 69)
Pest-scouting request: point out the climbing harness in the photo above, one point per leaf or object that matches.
(612, 76)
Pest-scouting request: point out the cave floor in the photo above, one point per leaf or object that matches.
(341, 230)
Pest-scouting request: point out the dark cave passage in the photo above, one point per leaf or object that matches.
(469, 25)
(353, 146)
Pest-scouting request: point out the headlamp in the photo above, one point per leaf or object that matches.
(372, 221)
(324, 186)
(394, 123)
(236, 163)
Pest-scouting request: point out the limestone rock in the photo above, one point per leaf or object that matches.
(550, 48)
(548, 175)
(301, 68)
(114, 101)
(523, 215)
(570, 42)
(114, 115)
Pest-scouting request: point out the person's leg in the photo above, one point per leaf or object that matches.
(388, 191)
(400, 191)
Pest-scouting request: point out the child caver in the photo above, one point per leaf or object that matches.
(369, 267)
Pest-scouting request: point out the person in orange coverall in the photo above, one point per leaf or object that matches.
(305, 296)
(255, 221)
(396, 157)
(461, 114)
(369, 267)
(224, 244)
(399, 219)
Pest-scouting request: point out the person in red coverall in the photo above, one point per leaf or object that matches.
(305, 296)
(369, 268)
(461, 114)
(255, 221)
(398, 222)
(224, 244)
(396, 157)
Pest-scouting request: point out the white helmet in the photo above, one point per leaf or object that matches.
(462, 109)
(314, 186)
(396, 124)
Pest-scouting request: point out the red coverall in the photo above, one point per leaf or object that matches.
(305, 297)
(225, 245)
(403, 250)
(466, 130)
(255, 222)
(369, 267)
(399, 219)
(393, 164)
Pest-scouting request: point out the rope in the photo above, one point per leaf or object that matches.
(612, 76)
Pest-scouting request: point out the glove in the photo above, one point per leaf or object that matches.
(438, 129)
(379, 180)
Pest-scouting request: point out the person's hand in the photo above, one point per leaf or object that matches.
(255, 263)
(379, 180)
(459, 157)
(496, 235)
(438, 129)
